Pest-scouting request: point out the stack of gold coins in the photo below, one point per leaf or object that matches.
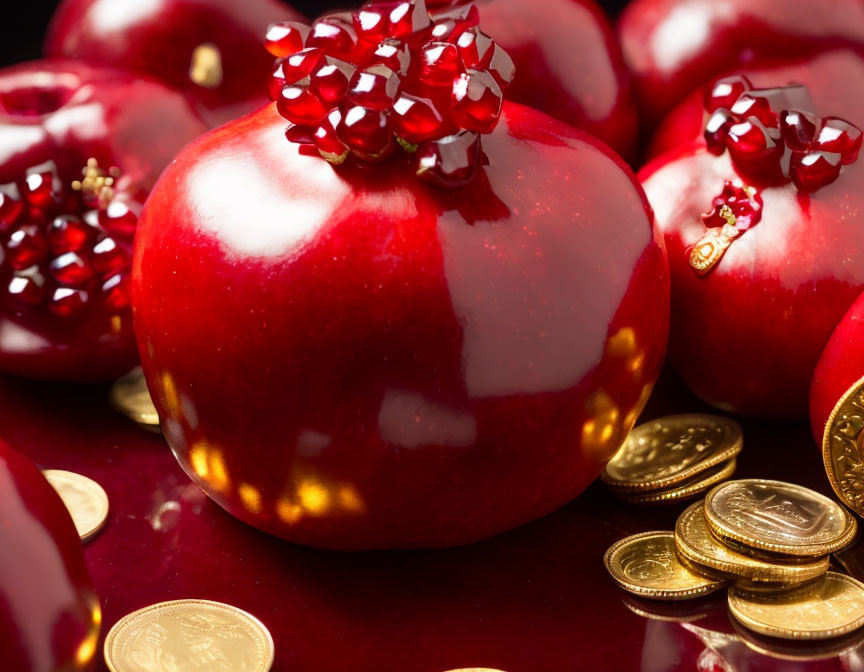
(674, 458)
(770, 541)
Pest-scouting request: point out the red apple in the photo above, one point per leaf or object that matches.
(568, 64)
(64, 254)
(674, 46)
(747, 332)
(49, 611)
(351, 358)
(210, 49)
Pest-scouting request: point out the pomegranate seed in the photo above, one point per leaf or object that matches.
(725, 92)
(301, 65)
(10, 205)
(372, 23)
(69, 233)
(301, 135)
(27, 288)
(749, 105)
(450, 161)
(375, 88)
(108, 257)
(285, 38)
(277, 80)
(798, 129)
(366, 132)
(71, 270)
(66, 302)
(450, 26)
(329, 84)
(334, 34)
(717, 131)
(115, 291)
(475, 48)
(752, 139)
(814, 170)
(416, 119)
(27, 246)
(476, 101)
(839, 136)
(327, 139)
(298, 105)
(408, 18)
(118, 219)
(440, 64)
(42, 185)
(394, 54)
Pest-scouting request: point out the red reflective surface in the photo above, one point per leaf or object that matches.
(536, 599)
(568, 64)
(159, 38)
(49, 613)
(674, 46)
(438, 365)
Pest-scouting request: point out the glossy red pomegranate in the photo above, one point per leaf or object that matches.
(674, 46)
(210, 49)
(350, 357)
(760, 224)
(49, 611)
(81, 148)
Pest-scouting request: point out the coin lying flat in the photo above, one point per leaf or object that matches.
(130, 396)
(646, 564)
(672, 450)
(842, 448)
(696, 544)
(829, 608)
(800, 650)
(85, 499)
(189, 635)
(778, 517)
(690, 488)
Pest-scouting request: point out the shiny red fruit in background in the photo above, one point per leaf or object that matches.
(352, 358)
(674, 46)
(49, 612)
(568, 64)
(840, 366)
(67, 113)
(210, 49)
(747, 335)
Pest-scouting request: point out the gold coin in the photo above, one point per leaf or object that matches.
(84, 498)
(797, 650)
(842, 448)
(646, 564)
(831, 607)
(671, 450)
(700, 483)
(696, 544)
(130, 396)
(189, 635)
(778, 517)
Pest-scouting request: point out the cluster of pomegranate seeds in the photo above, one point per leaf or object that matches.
(737, 205)
(773, 135)
(64, 249)
(390, 75)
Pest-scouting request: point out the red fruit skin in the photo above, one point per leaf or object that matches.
(49, 611)
(119, 119)
(674, 46)
(826, 75)
(352, 358)
(568, 64)
(840, 366)
(158, 38)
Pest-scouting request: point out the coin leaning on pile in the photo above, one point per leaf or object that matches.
(771, 541)
(674, 458)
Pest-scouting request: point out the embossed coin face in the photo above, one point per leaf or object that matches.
(843, 448)
(778, 517)
(697, 545)
(187, 635)
(646, 564)
(829, 608)
(689, 488)
(85, 499)
(129, 395)
(670, 450)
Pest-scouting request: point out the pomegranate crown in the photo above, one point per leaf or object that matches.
(391, 75)
(774, 136)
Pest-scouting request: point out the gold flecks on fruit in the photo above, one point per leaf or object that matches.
(84, 498)
(96, 184)
(711, 247)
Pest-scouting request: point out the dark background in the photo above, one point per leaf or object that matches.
(22, 28)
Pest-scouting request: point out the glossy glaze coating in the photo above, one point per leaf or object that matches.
(536, 599)
(840, 366)
(49, 612)
(159, 38)
(86, 112)
(357, 359)
(827, 76)
(674, 46)
(568, 64)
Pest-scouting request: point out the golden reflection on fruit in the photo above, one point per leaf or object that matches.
(601, 432)
(87, 649)
(168, 393)
(251, 497)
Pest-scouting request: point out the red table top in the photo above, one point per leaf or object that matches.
(537, 599)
